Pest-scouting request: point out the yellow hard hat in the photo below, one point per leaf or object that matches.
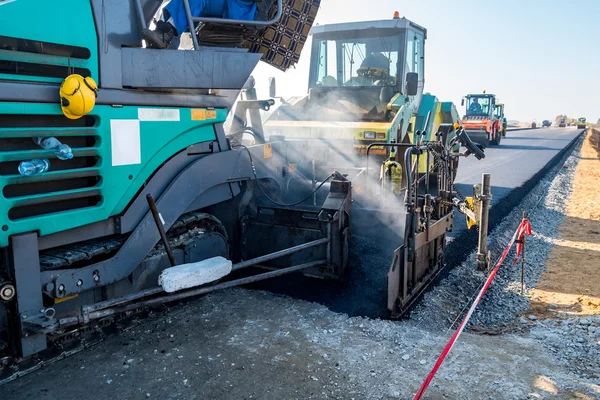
(77, 96)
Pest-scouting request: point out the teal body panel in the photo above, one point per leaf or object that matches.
(159, 139)
(450, 113)
(50, 24)
(428, 106)
(442, 112)
(400, 122)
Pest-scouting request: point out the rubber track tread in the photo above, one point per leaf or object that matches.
(85, 253)
(67, 343)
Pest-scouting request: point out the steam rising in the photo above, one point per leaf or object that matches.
(348, 105)
(375, 213)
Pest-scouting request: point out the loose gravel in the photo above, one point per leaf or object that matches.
(504, 308)
(503, 302)
(575, 343)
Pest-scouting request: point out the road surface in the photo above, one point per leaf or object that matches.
(520, 155)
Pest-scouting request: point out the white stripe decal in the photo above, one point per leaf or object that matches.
(125, 142)
(158, 114)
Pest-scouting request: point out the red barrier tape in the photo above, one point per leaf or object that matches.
(524, 228)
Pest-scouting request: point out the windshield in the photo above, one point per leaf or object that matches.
(478, 105)
(364, 61)
(581, 119)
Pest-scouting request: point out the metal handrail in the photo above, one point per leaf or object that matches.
(140, 12)
(241, 21)
(191, 20)
(399, 145)
(426, 122)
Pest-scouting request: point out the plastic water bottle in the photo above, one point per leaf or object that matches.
(34, 167)
(62, 151)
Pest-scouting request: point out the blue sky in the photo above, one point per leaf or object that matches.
(540, 58)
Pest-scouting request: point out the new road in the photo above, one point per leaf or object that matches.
(519, 157)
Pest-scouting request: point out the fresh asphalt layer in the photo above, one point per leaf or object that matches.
(519, 157)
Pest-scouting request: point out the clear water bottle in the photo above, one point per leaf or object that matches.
(62, 151)
(34, 167)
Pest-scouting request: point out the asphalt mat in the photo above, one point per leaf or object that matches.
(516, 165)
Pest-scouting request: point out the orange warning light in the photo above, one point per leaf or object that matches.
(396, 15)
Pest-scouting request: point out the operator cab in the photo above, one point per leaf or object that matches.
(479, 105)
(372, 54)
(499, 111)
(357, 68)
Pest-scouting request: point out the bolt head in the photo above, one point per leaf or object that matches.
(49, 287)
(96, 278)
(7, 292)
(24, 316)
(61, 288)
(79, 282)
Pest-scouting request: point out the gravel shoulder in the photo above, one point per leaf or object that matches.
(571, 282)
(242, 344)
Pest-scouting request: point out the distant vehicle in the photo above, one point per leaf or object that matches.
(534, 124)
(546, 123)
(581, 123)
(499, 110)
(562, 123)
(480, 120)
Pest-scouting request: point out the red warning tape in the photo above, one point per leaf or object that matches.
(524, 228)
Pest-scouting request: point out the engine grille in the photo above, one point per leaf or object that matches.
(24, 58)
(476, 117)
(68, 185)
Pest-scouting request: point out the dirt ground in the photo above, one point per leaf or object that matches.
(572, 280)
(282, 348)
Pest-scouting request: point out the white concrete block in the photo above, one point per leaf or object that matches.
(187, 276)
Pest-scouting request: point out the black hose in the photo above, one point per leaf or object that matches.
(275, 201)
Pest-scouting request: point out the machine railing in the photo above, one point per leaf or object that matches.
(193, 20)
(140, 13)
